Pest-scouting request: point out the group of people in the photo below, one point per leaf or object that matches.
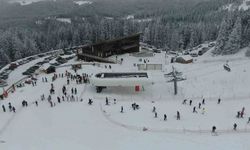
(11, 108)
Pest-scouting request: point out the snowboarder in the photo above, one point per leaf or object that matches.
(219, 101)
(165, 117)
(4, 110)
(203, 101)
(190, 102)
(121, 109)
(235, 126)
(178, 117)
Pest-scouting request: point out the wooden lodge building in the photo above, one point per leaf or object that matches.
(104, 49)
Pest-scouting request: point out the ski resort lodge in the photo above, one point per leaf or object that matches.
(102, 50)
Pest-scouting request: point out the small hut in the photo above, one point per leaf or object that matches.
(184, 59)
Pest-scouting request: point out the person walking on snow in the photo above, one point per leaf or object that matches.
(4, 110)
(235, 126)
(203, 101)
(14, 109)
(219, 101)
(154, 109)
(155, 114)
(178, 117)
(165, 117)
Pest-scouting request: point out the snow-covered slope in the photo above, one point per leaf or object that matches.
(76, 125)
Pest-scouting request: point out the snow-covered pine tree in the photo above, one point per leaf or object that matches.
(234, 41)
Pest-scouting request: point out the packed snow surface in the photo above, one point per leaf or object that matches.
(83, 2)
(77, 125)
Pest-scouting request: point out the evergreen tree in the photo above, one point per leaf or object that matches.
(234, 42)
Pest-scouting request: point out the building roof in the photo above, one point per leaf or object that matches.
(185, 57)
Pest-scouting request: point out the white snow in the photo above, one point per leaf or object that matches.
(83, 2)
(25, 2)
(76, 125)
(65, 20)
(245, 5)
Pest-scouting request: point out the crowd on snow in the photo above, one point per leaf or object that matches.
(84, 78)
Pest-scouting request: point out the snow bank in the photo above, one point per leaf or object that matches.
(83, 2)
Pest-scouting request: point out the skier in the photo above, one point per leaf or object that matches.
(67, 81)
(194, 110)
(219, 101)
(203, 101)
(10, 107)
(107, 101)
(36, 103)
(90, 102)
(178, 115)
(199, 105)
(213, 129)
(46, 80)
(14, 109)
(114, 101)
(154, 109)
(75, 91)
(121, 109)
(238, 114)
(248, 120)
(4, 110)
(58, 100)
(184, 101)
(235, 126)
(155, 114)
(165, 117)
(190, 102)
(72, 91)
